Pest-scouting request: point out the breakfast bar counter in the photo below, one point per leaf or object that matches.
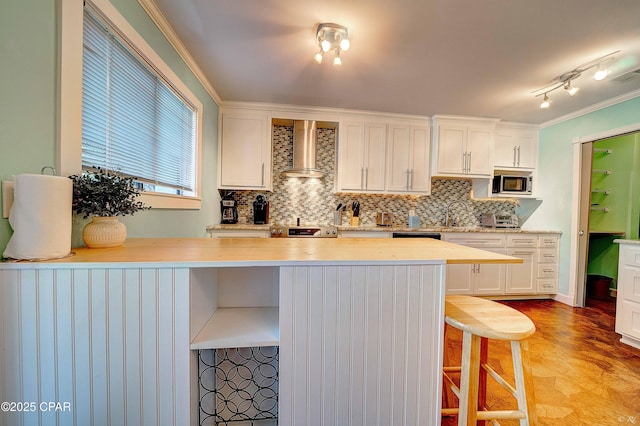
(116, 332)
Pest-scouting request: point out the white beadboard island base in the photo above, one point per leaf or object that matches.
(111, 333)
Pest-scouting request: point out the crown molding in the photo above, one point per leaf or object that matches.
(327, 113)
(165, 27)
(595, 107)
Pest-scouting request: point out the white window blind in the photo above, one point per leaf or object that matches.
(132, 120)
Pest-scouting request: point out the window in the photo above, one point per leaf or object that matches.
(161, 136)
(132, 120)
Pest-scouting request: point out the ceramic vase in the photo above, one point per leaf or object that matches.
(104, 232)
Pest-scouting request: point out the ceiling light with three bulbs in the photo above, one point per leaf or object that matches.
(332, 37)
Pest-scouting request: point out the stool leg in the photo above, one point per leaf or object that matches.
(448, 397)
(482, 378)
(467, 415)
(524, 382)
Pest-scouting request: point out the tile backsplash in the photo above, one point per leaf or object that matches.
(314, 202)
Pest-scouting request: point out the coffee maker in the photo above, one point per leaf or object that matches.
(260, 211)
(229, 208)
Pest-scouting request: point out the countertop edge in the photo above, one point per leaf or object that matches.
(375, 228)
(246, 252)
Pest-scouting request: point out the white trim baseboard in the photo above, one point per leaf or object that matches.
(567, 299)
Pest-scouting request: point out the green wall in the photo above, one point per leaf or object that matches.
(28, 110)
(555, 172)
(622, 205)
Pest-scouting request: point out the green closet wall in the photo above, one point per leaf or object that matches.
(623, 209)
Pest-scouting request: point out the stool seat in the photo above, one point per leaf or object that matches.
(486, 318)
(480, 320)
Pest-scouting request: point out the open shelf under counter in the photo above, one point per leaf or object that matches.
(239, 328)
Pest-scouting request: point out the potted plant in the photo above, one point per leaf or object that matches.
(104, 195)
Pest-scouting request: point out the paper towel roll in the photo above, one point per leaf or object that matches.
(40, 217)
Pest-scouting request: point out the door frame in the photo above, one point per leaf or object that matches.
(576, 295)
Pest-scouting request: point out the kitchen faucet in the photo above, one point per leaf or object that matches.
(446, 214)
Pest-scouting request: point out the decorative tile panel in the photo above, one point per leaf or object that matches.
(313, 200)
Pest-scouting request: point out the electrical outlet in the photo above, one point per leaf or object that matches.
(7, 197)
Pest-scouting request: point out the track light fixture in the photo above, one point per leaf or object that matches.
(545, 102)
(570, 90)
(332, 37)
(565, 80)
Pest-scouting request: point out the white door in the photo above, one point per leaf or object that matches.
(520, 278)
(527, 150)
(245, 151)
(505, 152)
(451, 149)
(459, 279)
(399, 149)
(490, 278)
(419, 161)
(479, 151)
(375, 156)
(351, 156)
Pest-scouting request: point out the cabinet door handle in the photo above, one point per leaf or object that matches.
(361, 177)
(406, 180)
(518, 156)
(469, 162)
(464, 162)
(514, 155)
(478, 270)
(522, 253)
(262, 177)
(366, 178)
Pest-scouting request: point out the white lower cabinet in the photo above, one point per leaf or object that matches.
(628, 297)
(521, 278)
(490, 278)
(538, 274)
(476, 279)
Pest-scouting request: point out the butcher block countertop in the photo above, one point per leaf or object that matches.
(205, 252)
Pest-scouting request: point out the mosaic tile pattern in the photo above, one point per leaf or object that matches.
(313, 200)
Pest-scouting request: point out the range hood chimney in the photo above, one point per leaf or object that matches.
(305, 145)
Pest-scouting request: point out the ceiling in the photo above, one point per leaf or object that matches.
(463, 57)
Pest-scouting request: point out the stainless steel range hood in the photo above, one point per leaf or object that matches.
(305, 145)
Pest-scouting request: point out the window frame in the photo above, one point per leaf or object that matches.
(69, 94)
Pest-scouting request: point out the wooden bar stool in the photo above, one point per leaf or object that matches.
(479, 320)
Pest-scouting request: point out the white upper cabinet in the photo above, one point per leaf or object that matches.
(408, 159)
(361, 156)
(244, 149)
(463, 146)
(516, 146)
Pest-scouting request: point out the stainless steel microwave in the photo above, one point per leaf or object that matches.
(513, 184)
